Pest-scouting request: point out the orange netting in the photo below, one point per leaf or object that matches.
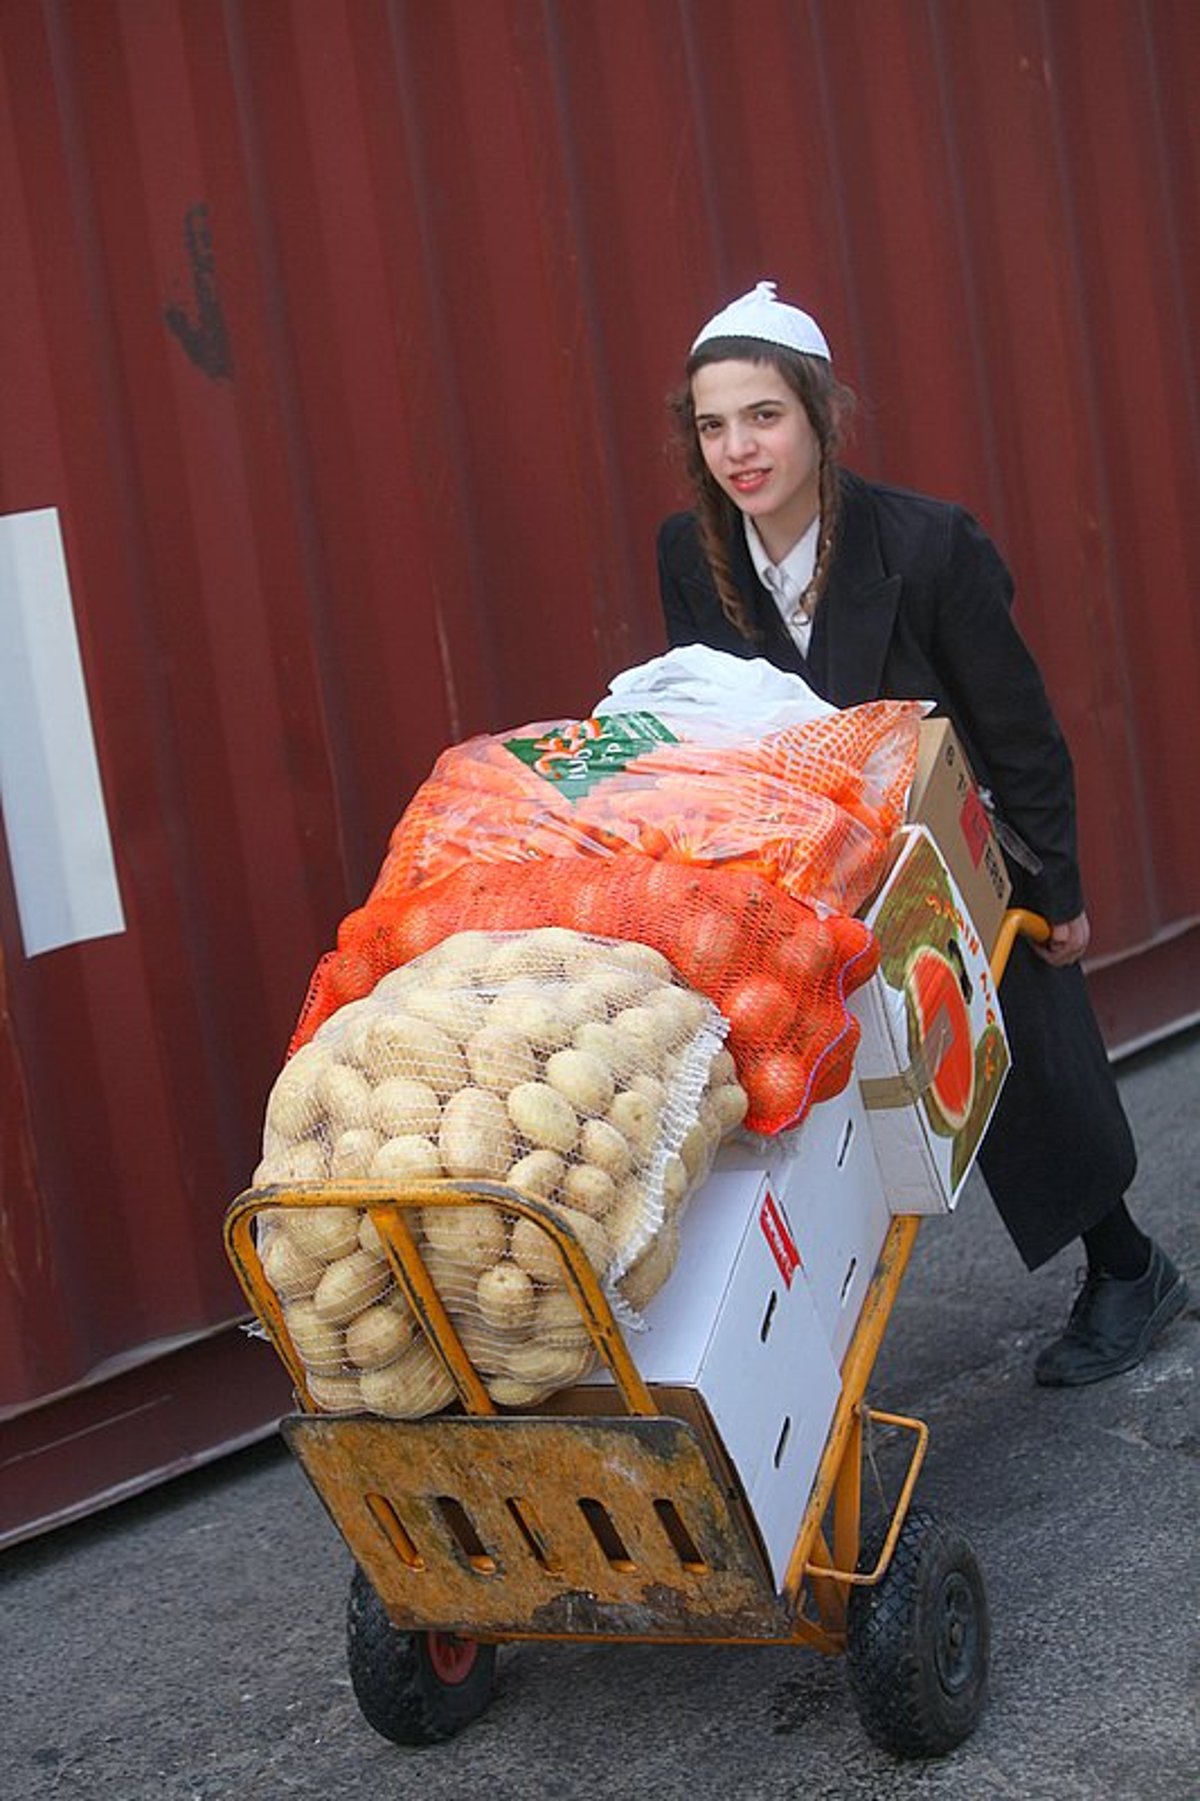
(811, 807)
(778, 972)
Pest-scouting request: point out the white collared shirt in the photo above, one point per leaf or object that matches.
(786, 581)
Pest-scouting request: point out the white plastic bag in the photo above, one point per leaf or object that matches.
(714, 697)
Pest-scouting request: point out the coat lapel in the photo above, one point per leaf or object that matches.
(857, 614)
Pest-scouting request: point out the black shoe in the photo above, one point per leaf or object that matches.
(1112, 1324)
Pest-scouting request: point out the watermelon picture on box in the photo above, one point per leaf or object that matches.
(934, 1055)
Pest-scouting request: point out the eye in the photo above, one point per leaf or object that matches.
(708, 428)
(767, 415)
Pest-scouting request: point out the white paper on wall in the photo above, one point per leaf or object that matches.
(55, 820)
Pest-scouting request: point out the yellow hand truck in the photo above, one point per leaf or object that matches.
(473, 1527)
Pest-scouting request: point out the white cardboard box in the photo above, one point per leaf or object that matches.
(933, 1054)
(737, 1323)
(829, 1188)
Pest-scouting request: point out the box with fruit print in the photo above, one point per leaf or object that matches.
(933, 1055)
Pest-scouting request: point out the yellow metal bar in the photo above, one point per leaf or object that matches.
(856, 1371)
(821, 1568)
(390, 1202)
(1018, 921)
(408, 1267)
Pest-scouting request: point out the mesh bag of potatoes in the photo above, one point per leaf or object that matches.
(576, 1070)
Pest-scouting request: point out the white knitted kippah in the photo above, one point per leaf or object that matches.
(759, 315)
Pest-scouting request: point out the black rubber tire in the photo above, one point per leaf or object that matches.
(919, 1641)
(397, 1683)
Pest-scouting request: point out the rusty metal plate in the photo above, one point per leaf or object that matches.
(606, 1527)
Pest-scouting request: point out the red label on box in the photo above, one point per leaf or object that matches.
(973, 821)
(779, 1238)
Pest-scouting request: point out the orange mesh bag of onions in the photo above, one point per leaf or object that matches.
(778, 971)
(572, 1068)
(811, 807)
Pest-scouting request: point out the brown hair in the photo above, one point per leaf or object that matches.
(828, 405)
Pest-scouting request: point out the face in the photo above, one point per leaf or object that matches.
(760, 448)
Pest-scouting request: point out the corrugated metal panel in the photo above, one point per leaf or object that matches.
(338, 335)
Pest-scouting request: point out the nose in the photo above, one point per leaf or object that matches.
(741, 441)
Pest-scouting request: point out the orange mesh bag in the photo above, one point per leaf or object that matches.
(811, 807)
(777, 970)
(569, 1067)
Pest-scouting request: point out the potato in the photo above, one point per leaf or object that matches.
(475, 1235)
(729, 1103)
(324, 1232)
(454, 1275)
(349, 1285)
(506, 1295)
(537, 1174)
(558, 1321)
(336, 1394)
(591, 1190)
(291, 1271)
(644, 959)
(599, 1039)
(675, 1183)
(629, 1218)
(292, 1106)
(344, 1095)
(444, 1065)
(585, 1079)
(410, 1157)
(646, 1029)
(650, 1088)
(555, 1364)
(378, 1335)
(455, 1011)
(319, 1345)
(476, 1136)
(401, 1105)
(392, 990)
(579, 1003)
(486, 1345)
(352, 1152)
(723, 1069)
(498, 1058)
(507, 1392)
(622, 987)
(642, 1281)
(681, 1011)
(398, 1045)
(543, 1116)
(510, 960)
(307, 1161)
(602, 1145)
(636, 1118)
(532, 1016)
(697, 1150)
(560, 946)
(415, 1385)
(534, 1251)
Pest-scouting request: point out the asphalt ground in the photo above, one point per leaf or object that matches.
(189, 1645)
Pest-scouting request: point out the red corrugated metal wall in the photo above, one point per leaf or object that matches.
(338, 334)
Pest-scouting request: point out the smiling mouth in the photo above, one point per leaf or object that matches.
(749, 480)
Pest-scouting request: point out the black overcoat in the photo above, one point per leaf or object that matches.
(918, 605)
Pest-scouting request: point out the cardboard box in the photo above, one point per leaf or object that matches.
(945, 798)
(737, 1326)
(829, 1189)
(933, 1054)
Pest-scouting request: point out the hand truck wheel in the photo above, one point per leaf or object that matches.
(918, 1641)
(414, 1688)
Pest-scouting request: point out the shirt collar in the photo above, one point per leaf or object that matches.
(788, 579)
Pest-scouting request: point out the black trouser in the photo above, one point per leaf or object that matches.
(1058, 1154)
